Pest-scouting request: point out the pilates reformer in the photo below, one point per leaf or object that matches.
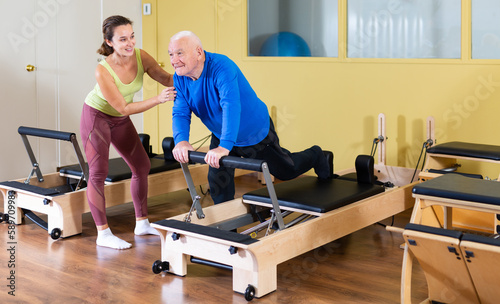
(446, 158)
(62, 195)
(460, 267)
(465, 211)
(277, 223)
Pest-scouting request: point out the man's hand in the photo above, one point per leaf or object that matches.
(213, 156)
(180, 152)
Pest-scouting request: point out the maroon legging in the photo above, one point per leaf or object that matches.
(98, 131)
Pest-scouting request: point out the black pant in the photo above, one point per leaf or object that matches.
(283, 164)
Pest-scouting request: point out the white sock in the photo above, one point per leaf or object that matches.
(106, 238)
(142, 227)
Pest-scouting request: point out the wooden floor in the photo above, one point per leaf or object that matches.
(364, 267)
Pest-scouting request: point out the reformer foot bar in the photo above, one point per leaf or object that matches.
(64, 201)
(278, 223)
(459, 267)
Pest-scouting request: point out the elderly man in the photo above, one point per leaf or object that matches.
(213, 88)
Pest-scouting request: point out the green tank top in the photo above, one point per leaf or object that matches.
(96, 100)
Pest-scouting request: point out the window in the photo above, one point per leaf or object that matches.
(295, 28)
(486, 29)
(403, 28)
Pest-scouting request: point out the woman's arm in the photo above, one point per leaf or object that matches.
(113, 96)
(155, 71)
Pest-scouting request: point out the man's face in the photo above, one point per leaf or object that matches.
(185, 58)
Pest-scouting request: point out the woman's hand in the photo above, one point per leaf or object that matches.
(168, 94)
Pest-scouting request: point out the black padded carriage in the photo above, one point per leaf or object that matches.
(464, 149)
(316, 195)
(459, 187)
(119, 170)
(312, 194)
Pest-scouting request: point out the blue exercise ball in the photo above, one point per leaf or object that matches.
(285, 44)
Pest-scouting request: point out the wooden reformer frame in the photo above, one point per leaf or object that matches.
(254, 264)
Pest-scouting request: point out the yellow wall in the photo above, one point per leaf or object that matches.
(334, 102)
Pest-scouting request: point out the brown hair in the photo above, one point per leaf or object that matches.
(108, 30)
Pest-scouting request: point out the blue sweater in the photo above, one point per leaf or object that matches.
(224, 101)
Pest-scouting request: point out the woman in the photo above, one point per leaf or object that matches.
(105, 120)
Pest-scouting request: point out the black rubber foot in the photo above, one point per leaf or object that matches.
(249, 293)
(55, 233)
(4, 218)
(159, 266)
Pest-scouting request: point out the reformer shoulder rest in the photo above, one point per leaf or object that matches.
(464, 149)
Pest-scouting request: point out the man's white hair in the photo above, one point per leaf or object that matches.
(190, 35)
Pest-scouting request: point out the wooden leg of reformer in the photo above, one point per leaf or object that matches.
(406, 273)
(263, 278)
(423, 215)
(448, 218)
(70, 222)
(175, 257)
(65, 212)
(406, 276)
(416, 214)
